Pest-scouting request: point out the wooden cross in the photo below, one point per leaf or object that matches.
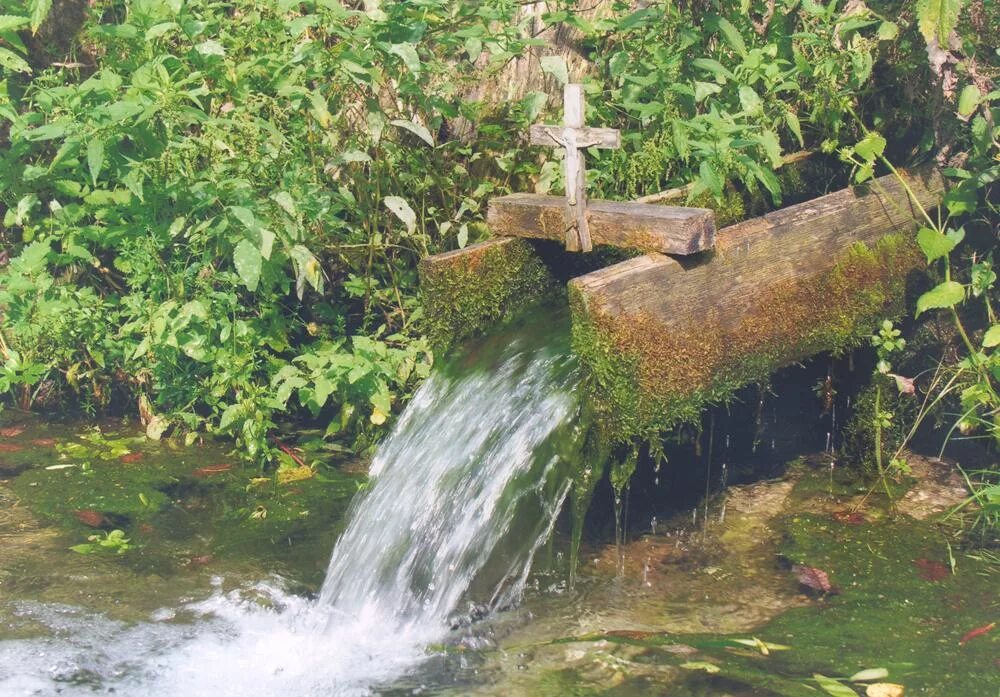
(574, 136)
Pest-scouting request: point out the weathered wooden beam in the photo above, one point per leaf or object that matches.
(466, 291)
(666, 337)
(665, 229)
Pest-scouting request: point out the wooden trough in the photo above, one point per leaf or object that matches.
(661, 337)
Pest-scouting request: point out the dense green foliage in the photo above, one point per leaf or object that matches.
(213, 216)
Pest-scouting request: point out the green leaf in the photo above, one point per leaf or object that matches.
(710, 178)
(992, 336)
(769, 141)
(286, 202)
(968, 100)
(11, 22)
(416, 129)
(750, 101)
(733, 37)
(13, 62)
(248, 263)
(95, 158)
(39, 10)
(401, 209)
(705, 89)
(713, 66)
(869, 675)
(474, 48)
(870, 147)
(408, 54)
(211, 47)
(794, 126)
(161, 29)
(947, 294)
(934, 244)
(556, 66)
(937, 19)
(887, 31)
(833, 687)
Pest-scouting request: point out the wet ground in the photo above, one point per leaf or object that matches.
(784, 587)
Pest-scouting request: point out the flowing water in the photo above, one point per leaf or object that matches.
(462, 494)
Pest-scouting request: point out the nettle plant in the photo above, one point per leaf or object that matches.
(222, 217)
(723, 99)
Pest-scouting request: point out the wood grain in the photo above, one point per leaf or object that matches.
(788, 245)
(665, 229)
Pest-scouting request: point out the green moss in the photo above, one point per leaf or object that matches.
(887, 614)
(645, 380)
(469, 292)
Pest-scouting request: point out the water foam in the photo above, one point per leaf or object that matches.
(464, 491)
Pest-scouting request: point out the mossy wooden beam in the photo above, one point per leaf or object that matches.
(662, 338)
(466, 291)
(647, 227)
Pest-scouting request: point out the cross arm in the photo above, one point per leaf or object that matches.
(602, 138)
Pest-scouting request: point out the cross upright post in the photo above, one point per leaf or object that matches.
(574, 137)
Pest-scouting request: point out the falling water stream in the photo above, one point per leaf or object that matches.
(461, 496)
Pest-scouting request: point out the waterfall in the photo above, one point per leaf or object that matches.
(473, 461)
(462, 494)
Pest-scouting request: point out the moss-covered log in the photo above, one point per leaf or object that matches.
(661, 339)
(468, 290)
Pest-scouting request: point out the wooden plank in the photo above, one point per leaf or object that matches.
(664, 337)
(466, 291)
(586, 137)
(665, 229)
(789, 244)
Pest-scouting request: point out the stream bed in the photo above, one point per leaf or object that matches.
(213, 561)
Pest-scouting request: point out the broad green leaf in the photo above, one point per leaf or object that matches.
(934, 243)
(750, 101)
(401, 209)
(416, 129)
(713, 66)
(556, 66)
(794, 126)
(870, 147)
(733, 37)
(710, 178)
(408, 54)
(705, 89)
(286, 202)
(992, 336)
(937, 19)
(161, 29)
(49, 131)
(869, 675)
(245, 216)
(39, 10)
(833, 687)
(13, 62)
(10, 22)
(769, 141)
(887, 31)
(320, 109)
(474, 48)
(968, 100)
(95, 158)
(947, 294)
(248, 263)
(210, 47)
